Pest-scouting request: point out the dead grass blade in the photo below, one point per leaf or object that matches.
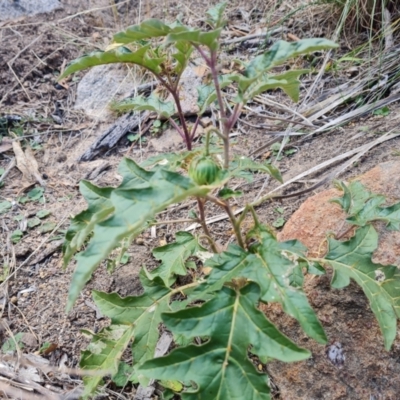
(357, 113)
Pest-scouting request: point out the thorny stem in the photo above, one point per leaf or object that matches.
(200, 203)
(226, 153)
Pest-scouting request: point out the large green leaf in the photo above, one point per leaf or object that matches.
(103, 354)
(272, 265)
(144, 312)
(282, 51)
(174, 256)
(139, 198)
(118, 55)
(380, 283)
(100, 208)
(151, 103)
(221, 368)
(363, 206)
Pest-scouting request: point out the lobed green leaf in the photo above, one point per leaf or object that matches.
(100, 208)
(380, 283)
(141, 195)
(174, 256)
(272, 265)
(363, 206)
(103, 354)
(182, 56)
(207, 93)
(221, 368)
(143, 312)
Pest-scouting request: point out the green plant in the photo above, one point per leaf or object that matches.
(213, 317)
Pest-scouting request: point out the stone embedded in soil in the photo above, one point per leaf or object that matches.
(367, 370)
(14, 9)
(317, 216)
(99, 86)
(104, 83)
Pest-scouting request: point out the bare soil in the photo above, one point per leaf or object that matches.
(32, 53)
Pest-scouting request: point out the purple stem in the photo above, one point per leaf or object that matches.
(177, 127)
(194, 129)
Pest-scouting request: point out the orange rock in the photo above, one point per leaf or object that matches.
(368, 371)
(317, 217)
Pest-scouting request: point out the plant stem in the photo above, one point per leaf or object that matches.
(243, 214)
(255, 216)
(225, 125)
(226, 153)
(210, 240)
(214, 73)
(235, 224)
(188, 140)
(207, 150)
(200, 203)
(235, 115)
(194, 128)
(177, 127)
(209, 130)
(173, 90)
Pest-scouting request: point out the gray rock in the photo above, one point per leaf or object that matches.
(99, 86)
(10, 9)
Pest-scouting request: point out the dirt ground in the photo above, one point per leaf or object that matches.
(32, 52)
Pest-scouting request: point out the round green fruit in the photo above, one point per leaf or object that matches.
(204, 170)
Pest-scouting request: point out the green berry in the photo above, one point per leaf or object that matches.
(204, 170)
